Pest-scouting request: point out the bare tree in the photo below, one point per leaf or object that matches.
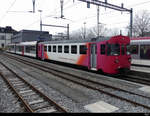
(141, 23)
(88, 33)
(113, 32)
(102, 30)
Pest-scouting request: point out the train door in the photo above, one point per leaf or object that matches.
(23, 50)
(93, 56)
(42, 49)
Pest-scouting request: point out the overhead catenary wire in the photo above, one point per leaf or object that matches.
(7, 11)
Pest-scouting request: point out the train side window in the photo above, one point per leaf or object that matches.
(66, 49)
(49, 48)
(20, 48)
(59, 49)
(102, 48)
(45, 48)
(74, 49)
(144, 52)
(54, 48)
(83, 49)
(122, 49)
(134, 49)
(27, 49)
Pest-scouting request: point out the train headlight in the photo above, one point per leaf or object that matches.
(129, 59)
(116, 61)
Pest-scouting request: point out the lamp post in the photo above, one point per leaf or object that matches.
(40, 20)
(84, 29)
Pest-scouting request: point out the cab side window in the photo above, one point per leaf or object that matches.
(102, 48)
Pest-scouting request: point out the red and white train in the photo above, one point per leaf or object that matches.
(111, 55)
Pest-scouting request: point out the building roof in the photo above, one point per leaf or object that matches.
(7, 29)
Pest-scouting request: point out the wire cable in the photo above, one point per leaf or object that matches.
(7, 11)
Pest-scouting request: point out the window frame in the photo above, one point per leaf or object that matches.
(72, 49)
(66, 51)
(60, 48)
(104, 49)
(83, 50)
(49, 48)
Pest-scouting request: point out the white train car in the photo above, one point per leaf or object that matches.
(140, 51)
(29, 48)
(11, 48)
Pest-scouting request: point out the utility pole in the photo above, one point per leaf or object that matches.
(40, 19)
(84, 29)
(114, 7)
(62, 4)
(131, 21)
(98, 21)
(33, 6)
(68, 31)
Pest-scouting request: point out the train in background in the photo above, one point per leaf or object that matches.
(111, 55)
(140, 51)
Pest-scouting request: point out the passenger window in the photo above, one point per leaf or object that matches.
(122, 49)
(74, 49)
(45, 48)
(83, 49)
(103, 49)
(54, 48)
(59, 49)
(49, 48)
(145, 52)
(66, 49)
(134, 49)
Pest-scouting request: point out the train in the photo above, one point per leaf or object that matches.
(140, 51)
(108, 54)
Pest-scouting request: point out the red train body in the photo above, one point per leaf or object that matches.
(110, 55)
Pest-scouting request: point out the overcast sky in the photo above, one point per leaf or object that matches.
(14, 13)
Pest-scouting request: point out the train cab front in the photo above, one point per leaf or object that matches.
(122, 60)
(118, 58)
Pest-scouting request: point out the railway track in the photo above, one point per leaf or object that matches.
(32, 99)
(84, 82)
(137, 79)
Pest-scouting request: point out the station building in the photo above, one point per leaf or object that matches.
(6, 34)
(31, 35)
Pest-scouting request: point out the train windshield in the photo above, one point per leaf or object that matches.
(113, 49)
(128, 49)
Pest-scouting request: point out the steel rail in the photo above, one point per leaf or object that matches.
(84, 85)
(75, 76)
(59, 108)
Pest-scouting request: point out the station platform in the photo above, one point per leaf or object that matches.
(140, 69)
(140, 62)
(140, 65)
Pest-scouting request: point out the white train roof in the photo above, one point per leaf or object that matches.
(28, 43)
(140, 41)
(76, 41)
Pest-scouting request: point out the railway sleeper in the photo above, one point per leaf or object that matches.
(16, 82)
(46, 110)
(28, 94)
(34, 97)
(41, 107)
(27, 91)
(23, 89)
(15, 79)
(19, 84)
(36, 101)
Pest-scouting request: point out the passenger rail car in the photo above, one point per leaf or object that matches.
(111, 55)
(140, 50)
